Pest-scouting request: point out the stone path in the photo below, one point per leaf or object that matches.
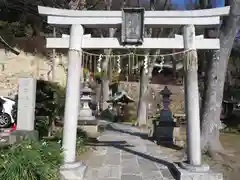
(122, 155)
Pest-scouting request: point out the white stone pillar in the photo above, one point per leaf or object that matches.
(26, 104)
(25, 111)
(192, 97)
(72, 94)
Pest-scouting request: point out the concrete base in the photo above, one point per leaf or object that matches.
(189, 167)
(91, 130)
(87, 122)
(75, 171)
(184, 172)
(19, 135)
(4, 137)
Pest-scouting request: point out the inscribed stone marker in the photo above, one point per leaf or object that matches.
(26, 104)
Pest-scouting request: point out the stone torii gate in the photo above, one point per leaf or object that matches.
(95, 19)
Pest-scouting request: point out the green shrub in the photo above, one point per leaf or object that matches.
(108, 115)
(129, 113)
(50, 101)
(81, 145)
(42, 126)
(31, 161)
(80, 142)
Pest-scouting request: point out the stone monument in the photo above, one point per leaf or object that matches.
(26, 109)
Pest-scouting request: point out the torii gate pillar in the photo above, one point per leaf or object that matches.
(192, 97)
(193, 164)
(72, 106)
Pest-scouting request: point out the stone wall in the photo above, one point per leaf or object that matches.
(177, 105)
(13, 67)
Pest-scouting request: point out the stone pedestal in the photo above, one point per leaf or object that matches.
(189, 172)
(91, 130)
(74, 171)
(166, 132)
(19, 135)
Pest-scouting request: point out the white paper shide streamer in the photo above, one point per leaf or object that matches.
(161, 64)
(145, 63)
(99, 63)
(118, 64)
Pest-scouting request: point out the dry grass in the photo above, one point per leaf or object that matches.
(228, 165)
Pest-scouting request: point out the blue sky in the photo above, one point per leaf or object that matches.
(215, 3)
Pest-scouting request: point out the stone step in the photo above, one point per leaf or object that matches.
(5, 136)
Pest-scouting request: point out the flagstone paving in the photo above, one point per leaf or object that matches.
(121, 154)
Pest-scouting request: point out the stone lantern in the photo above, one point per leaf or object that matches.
(166, 100)
(86, 114)
(166, 129)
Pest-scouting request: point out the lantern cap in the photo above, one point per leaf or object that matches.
(86, 98)
(86, 90)
(166, 92)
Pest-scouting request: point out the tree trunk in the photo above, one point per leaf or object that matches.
(142, 115)
(105, 75)
(105, 68)
(142, 112)
(229, 78)
(210, 123)
(105, 84)
(174, 67)
(215, 86)
(105, 94)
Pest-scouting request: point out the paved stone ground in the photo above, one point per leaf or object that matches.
(122, 155)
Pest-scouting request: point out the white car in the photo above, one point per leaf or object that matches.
(6, 109)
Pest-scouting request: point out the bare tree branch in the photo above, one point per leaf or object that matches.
(2, 41)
